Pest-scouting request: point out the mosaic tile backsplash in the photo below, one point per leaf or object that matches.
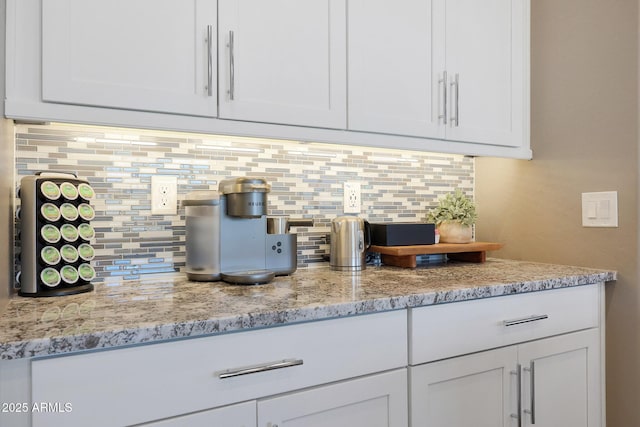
(306, 180)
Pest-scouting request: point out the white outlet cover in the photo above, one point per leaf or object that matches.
(600, 209)
(352, 199)
(164, 195)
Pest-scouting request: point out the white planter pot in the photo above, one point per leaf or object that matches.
(454, 232)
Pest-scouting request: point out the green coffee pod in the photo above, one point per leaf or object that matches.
(86, 192)
(69, 274)
(87, 273)
(86, 252)
(86, 212)
(69, 232)
(69, 212)
(50, 233)
(69, 253)
(50, 212)
(50, 190)
(50, 255)
(86, 231)
(69, 191)
(50, 277)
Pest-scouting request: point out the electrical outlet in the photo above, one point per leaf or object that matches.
(352, 200)
(164, 195)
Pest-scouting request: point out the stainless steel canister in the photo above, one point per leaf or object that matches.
(350, 239)
(202, 211)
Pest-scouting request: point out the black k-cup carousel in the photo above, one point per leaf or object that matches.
(56, 234)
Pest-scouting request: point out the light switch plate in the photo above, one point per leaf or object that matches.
(600, 209)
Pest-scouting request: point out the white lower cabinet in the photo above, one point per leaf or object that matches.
(561, 383)
(553, 382)
(140, 384)
(240, 415)
(532, 359)
(475, 390)
(375, 401)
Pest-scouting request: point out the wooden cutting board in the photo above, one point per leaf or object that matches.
(405, 256)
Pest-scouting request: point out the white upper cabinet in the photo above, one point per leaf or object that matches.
(392, 76)
(446, 76)
(446, 69)
(483, 57)
(283, 61)
(149, 55)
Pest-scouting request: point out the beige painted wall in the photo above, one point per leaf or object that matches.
(584, 136)
(7, 148)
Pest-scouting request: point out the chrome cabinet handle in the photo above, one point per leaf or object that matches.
(532, 391)
(209, 60)
(455, 114)
(254, 369)
(443, 83)
(232, 66)
(518, 374)
(529, 319)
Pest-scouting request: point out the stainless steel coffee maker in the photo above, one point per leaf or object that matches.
(251, 247)
(202, 212)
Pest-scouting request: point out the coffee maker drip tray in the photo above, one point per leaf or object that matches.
(250, 277)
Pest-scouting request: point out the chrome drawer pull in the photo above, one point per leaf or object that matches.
(232, 66)
(254, 369)
(529, 319)
(532, 391)
(455, 114)
(209, 86)
(518, 374)
(443, 80)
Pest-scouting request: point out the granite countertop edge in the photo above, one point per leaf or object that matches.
(164, 332)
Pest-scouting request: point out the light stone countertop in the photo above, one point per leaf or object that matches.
(168, 307)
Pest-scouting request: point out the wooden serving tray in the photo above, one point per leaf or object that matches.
(405, 256)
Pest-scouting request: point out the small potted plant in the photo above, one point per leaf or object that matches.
(454, 218)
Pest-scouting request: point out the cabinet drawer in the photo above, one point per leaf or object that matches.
(447, 330)
(143, 383)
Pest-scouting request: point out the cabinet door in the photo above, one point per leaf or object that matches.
(375, 401)
(150, 55)
(561, 381)
(393, 81)
(283, 61)
(484, 49)
(478, 390)
(240, 415)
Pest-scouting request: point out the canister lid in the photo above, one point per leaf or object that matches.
(50, 233)
(50, 277)
(202, 198)
(86, 252)
(85, 190)
(69, 191)
(86, 212)
(69, 253)
(50, 190)
(69, 211)
(69, 274)
(244, 185)
(86, 272)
